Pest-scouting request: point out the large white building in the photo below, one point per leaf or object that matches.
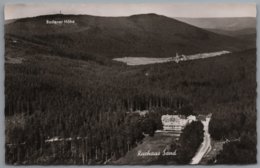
(176, 122)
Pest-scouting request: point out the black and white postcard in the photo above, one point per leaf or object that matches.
(130, 84)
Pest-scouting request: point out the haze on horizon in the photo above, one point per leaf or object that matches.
(191, 10)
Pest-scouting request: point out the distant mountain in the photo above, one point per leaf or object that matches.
(146, 35)
(227, 24)
(9, 21)
(235, 33)
(248, 35)
(243, 28)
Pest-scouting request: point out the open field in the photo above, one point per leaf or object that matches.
(158, 143)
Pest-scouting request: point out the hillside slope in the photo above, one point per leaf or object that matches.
(146, 35)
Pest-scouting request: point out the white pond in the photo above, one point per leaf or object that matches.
(132, 61)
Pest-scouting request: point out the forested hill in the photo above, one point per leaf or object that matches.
(146, 35)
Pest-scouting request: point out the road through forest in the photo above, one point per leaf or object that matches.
(205, 145)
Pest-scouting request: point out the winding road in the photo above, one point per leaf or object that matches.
(205, 146)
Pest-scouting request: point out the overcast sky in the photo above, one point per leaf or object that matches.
(13, 11)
